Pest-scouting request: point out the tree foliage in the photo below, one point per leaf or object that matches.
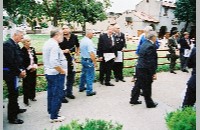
(186, 11)
(80, 11)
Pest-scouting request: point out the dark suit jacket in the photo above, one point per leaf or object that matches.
(184, 45)
(12, 57)
(120, 41)
(148, 57)
(191, 63)
(26, 59)
(105, 45)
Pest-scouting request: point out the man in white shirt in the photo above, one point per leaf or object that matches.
(55, 67)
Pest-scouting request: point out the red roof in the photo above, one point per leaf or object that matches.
(168, 4)
(145, 17)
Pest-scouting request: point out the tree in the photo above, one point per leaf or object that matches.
(82, 11)
(20, 10)
(186, 11)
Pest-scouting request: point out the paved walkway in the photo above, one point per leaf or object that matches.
(110, 103)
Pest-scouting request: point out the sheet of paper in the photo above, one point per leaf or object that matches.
(119, 57)
(108, 56)
(187, 52)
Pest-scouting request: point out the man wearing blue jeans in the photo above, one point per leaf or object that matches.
(55, 67)
(88, 61)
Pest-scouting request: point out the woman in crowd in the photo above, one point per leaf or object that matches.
(30, 63)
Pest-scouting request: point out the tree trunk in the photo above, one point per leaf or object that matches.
(55, 21)
(83, 28)
(186, 25)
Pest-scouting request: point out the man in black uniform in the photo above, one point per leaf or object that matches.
(120, 43)
(106, 45)
(173, 45)
(12, 71)
(70, 46)
(145, 71)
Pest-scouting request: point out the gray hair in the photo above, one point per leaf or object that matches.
(89, 31)
(16, 31)
(148, 28)
(54, 32)
(151, 34)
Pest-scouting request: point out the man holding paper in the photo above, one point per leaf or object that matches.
(120, 43)
(107, 53)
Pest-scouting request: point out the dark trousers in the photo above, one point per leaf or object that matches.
(105, 69)
(29, 84)
(173, 58)
(117, 69)
(183, 61)
(144, 82)
(70, 82)
(13, 106)
(190, 95)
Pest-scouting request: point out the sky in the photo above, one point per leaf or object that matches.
(119, 6)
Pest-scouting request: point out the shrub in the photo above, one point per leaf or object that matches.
(91, 124)
(182, 119)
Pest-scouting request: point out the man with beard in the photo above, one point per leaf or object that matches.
(70, 46)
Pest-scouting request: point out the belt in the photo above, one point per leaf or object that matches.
(86, 58)
(7, 69)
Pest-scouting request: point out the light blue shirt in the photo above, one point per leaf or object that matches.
(53, 57)
(86, 47)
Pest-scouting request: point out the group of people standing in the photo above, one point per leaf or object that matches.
(59, 56)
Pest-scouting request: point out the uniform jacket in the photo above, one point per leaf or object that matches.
(26, 58)
(148, 57)
(105, 45)
(120, 41)
(12, 57)
(172, 45)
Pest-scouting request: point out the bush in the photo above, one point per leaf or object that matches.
(182, 119)
(91, 124)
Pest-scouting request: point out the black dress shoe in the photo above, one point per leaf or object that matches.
(81, 90)
(92, 93)
(109, 84)
(173, 72)
(116, 80)
(152, 105)
(71, 96)
(33, 99)
(16, 121)
(64, 100)
(21, 110)
(122, 80)
(135, 102)
(101, 82)
(184, 70)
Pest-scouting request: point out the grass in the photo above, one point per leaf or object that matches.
(39, 39)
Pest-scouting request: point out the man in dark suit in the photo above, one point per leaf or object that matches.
(12, 71)
(106, 45)
(190, 95)
(70, 46)
(120, 43)
(145, 71)
(184, 44)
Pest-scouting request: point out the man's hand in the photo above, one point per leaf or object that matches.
(154, 77)
(100, 58)
(66, 51)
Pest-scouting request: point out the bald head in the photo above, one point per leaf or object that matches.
(116, 28)
(89, 33)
